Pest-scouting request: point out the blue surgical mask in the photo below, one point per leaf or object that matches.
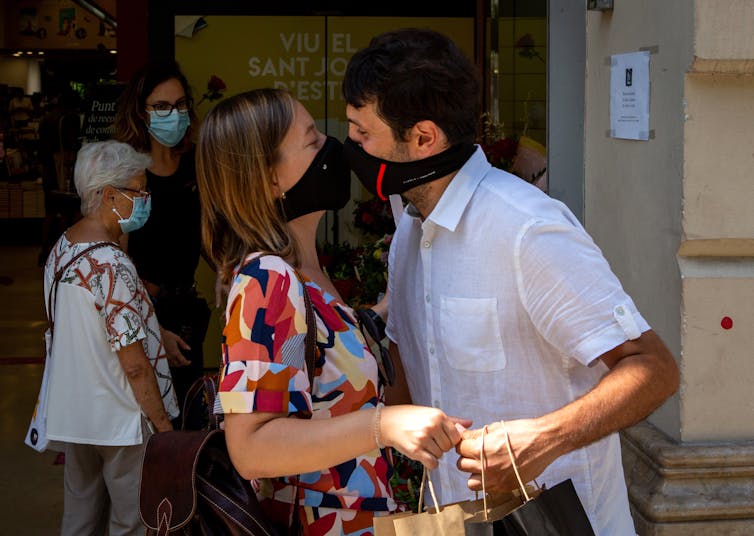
(169, 130)
(139, 214)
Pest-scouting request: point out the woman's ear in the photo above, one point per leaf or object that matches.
(144, 115)
(108, 196)
(277, 193)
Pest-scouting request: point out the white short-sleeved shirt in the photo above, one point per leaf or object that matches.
(500, 302)
(101, 307)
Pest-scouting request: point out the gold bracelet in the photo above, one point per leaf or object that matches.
(376, 425)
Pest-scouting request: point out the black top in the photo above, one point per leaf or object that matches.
(166, 250)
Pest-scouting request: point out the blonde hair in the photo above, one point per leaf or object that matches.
(238, 144)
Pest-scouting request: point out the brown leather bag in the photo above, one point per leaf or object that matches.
(188, 483)
(189, 486)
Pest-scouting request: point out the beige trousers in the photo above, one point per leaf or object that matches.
(102, 489)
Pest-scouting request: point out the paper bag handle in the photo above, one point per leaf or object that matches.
(513, 463)
(428, 480)
(483, 460)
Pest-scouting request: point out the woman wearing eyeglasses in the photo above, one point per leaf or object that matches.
(155, 115)
(109, 385)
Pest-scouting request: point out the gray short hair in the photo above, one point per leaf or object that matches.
(105, 163)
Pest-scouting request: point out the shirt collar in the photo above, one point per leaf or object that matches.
(451, 205)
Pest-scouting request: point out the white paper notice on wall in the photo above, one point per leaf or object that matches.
(629, 95)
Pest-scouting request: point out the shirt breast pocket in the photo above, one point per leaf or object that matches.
(470, 332)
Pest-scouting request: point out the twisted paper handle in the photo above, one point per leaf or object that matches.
(513, 462)
(483, 460)
(428, 481)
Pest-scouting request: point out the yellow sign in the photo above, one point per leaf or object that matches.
(306, 55)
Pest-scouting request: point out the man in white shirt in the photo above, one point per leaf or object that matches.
(501, 305)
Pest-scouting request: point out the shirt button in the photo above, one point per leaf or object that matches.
(427, 298)
(431, 349)
(620, 311)
(427, 243)
(436, 403)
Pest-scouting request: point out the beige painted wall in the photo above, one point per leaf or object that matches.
(632, 189)
(717, 401)
(724, 29)
(719, 190)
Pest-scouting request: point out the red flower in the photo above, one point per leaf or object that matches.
(501, 151)
(526, 45)
(374, 217)
(525, 41)
(215, 88)
(215, 84)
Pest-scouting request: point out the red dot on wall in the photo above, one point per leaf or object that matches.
(726, 322)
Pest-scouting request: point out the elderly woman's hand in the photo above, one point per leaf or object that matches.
(173, 345)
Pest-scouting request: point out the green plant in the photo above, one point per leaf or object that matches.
(406, 482)
(338, 260)
(371, 269)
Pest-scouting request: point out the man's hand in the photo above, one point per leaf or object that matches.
(533, 452)
(173, 345)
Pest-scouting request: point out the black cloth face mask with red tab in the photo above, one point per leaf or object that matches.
(383, 177)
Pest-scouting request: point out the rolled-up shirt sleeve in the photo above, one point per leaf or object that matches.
(264, 342)
(572, 296)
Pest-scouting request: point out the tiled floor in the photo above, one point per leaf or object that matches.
(31, 494)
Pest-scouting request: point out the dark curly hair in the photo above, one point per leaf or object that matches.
(417, 74)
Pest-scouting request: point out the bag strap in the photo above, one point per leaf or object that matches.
(52, 297)
(239, 513)
(207, 383)
(513, 462)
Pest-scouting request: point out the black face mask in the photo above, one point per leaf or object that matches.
(326, 184)
(384, 178)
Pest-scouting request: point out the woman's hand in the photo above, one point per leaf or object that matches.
(423, 434)
(173, 345)
(141, 377)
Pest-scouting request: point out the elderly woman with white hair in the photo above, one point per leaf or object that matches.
(109, 386)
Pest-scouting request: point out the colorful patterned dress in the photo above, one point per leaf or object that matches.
(264, 370)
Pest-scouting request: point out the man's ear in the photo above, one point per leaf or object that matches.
(428, 139)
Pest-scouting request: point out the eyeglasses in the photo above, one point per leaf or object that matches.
(163, 109)
(142, 193)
